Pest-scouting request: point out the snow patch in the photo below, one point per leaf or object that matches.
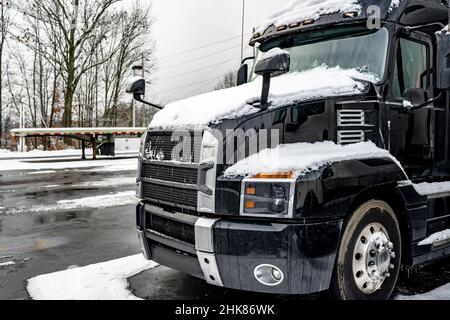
(441, 293)
(394, 5)
(49, 166)
(407, 104)
(302, 158)
(111, 182)
(299, 10)
(103, 281)
(436, 238)
(99, 202)
(7, 264)
(273, 53)
(426, 188)
(200, 111)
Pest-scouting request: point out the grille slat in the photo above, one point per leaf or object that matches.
(170, 195)
(172, 228)
(170, 173)
(348, 118)
(351, 136)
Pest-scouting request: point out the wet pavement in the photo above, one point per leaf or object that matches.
(49, 241)
(41, 243)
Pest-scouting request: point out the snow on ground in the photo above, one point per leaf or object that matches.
(436, 238)
(98, 202)
(110, 182)
(7, 155)
(40, 153)
(200, 111)
(304, 157)
(103, 281)
(101, 165)
(7, 264)
(441, 293)
(426, 188)
(300, 10)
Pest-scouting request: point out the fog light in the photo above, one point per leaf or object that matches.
(269, 275)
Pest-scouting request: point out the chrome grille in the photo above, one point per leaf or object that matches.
(351, 118)
(166, 181)
(186, 175)
(178, 197)
(161, 143)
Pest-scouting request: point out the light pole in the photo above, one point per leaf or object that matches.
(136, 68)
(243, 30)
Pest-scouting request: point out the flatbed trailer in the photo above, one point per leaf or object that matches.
(99, 138)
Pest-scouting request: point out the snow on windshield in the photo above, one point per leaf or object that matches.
(299, 10)
(302, 158)
(200, 111)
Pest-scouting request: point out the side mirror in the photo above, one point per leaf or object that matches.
(443, 59)
(273, 63)
(136, 86)
(242, 75)
(416, 96)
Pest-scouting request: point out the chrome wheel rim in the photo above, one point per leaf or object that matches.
(372, 258)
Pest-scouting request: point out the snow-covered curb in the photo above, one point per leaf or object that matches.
(301, 158)
(98, 202)
(200, 111)
(112, 165)
(441, 293)
(103, 281)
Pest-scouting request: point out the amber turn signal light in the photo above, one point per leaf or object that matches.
(279, 175)
(250, 204)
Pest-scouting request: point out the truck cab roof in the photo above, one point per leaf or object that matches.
(302, 16)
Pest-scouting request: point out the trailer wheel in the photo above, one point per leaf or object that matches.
(369, 256)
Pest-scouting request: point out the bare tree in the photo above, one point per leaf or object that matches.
(228, 81)
(5, 23)
(130, 45)
(76, 29)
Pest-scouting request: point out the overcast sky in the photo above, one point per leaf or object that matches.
(186, 25)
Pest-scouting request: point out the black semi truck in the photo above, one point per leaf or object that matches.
(348, 226)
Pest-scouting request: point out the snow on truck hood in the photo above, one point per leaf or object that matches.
(199, 112)
(301, 158)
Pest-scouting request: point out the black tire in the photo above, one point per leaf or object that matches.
(343, 285)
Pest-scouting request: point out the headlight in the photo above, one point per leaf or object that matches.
(142, 148)
(271, 198)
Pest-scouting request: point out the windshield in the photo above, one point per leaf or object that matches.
(367, 53)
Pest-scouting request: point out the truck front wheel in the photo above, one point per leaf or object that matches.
(369, 256)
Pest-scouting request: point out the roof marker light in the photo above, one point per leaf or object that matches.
(308, 21)
(295, 25)
(350, 14)
(282, 27)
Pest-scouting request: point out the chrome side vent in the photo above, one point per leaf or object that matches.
(350, 118)
(350, 136)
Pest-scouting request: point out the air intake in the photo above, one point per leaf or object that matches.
(350, 136)
(350, 118)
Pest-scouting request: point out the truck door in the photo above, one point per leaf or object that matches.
(411, 134)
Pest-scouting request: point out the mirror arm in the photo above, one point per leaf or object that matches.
(265, 91)
(138, 98)
(420, 106)
(409, 110)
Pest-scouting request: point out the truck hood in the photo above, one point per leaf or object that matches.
(200, 112)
